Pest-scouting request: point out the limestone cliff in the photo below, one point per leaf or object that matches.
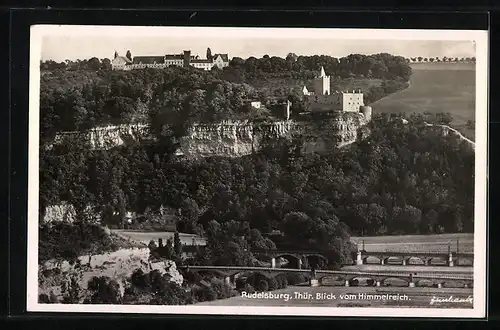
(238, 138)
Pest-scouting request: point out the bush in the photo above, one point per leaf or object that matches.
(43, 299)
(295, 278)
(221, 289)
(282, 281)
(272, 284)
(205, 294)
(103, 291)
(249, 288)
(262, 285)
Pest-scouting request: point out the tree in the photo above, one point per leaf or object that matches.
(291, 57)
(129, 55)
(177, 245)
(406, 219)
(94, 63)
(419, 58)
(209, 54)
(103, 290)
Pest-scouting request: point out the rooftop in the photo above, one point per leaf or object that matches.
(148, 60)
(225, 58)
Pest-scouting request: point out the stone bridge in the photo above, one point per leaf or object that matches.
(298, 258)
(452, 258)
(377, 278)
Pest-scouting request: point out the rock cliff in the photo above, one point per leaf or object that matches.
(239, 138)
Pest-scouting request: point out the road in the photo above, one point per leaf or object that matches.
(296, 296)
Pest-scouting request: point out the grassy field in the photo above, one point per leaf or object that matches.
(417, 243)
(349, 297)
(440, 87)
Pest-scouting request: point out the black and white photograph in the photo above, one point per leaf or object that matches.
(257, 171)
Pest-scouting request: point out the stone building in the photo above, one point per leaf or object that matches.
(322, 99)
(184, 59)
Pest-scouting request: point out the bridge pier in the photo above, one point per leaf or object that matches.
(404, 261)
(314, 283)
(273, 263)
(411, 284)
(440, 285)
(300, 263)
(382, 261)
(377, 283)
(359, 258)
(346, 283)
(450, 260)
(227, 280)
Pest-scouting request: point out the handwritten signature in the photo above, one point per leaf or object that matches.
(450, 299)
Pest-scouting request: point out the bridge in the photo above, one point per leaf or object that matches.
(378, 278)
(301, 258)
(452, 258)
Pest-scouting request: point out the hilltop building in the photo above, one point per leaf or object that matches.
(184, 59)
(321, 99)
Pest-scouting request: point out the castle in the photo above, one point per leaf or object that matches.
(184, 59)
(321, 99)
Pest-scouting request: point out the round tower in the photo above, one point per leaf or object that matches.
(366, 110)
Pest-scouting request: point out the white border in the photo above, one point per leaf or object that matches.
(481, 39)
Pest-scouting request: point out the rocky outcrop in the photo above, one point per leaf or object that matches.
(63, 212)
(118, 266)
(66, 212)
(107, 137)
(238, 138)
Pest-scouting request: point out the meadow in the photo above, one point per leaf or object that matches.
(437, 87)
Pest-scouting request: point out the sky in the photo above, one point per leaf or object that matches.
(74, 46)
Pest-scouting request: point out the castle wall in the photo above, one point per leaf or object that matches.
(352, 101)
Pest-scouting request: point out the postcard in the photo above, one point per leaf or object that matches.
(257, 171)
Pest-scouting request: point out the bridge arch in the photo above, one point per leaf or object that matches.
(294, 261)
(316, 260)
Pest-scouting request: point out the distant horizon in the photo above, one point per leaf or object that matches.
(246, 57)
(79, 43)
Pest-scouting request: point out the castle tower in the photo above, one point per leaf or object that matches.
(187, 58)
(322, 84)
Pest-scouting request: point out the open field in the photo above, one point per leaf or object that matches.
(440, 87)
(443, 66)
(417, 243)
(146, 236)
(349, 297)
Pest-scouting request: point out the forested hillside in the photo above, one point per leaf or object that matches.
(84, 94)
(401, 180)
